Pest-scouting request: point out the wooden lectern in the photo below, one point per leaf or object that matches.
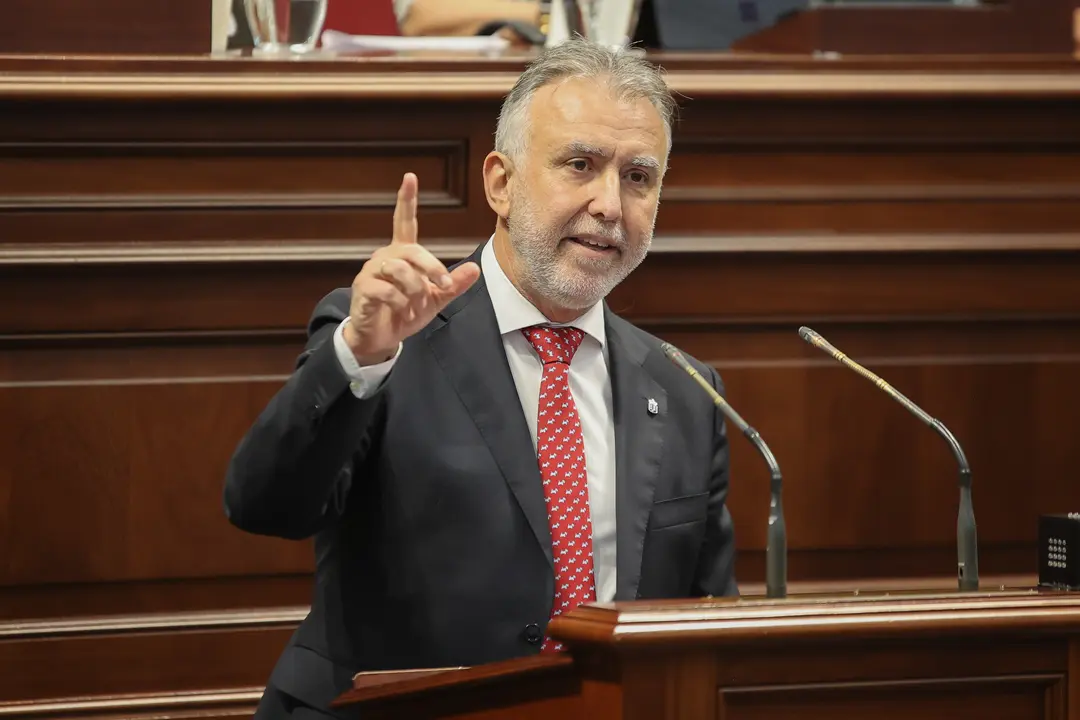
(1005, 655)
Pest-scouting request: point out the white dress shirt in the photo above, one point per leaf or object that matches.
(590, 384)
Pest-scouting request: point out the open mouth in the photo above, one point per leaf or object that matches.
(593, 244)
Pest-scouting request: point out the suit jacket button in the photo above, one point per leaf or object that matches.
(532, 634)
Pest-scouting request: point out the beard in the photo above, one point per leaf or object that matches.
(549, 267)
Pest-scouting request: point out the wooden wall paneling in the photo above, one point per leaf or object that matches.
(182, 665)
(881, 166)
(106, 26)
(1072, 693)
(120, 436)
(1023, 679)
(135, 478)
(189, 174)
(177, 325)
(159, 259)
(1006, 26)
(863, 473)
(202, 240)
(869, 490)
(204, 705)
(133, 597)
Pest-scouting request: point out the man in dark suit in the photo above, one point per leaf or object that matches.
(708, 24)
(478, 450)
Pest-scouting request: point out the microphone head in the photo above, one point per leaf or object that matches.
(677, 359)
(806, 333)
(671, 351)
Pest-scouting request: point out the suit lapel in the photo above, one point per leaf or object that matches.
(470, 350)
(639, 425)
(468, 347)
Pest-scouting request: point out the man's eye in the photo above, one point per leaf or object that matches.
(579, 164)
(638, 177)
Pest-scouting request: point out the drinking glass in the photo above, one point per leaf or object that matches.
(605, 22)
(283, 27)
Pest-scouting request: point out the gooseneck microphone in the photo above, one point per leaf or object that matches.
(967, 547)
(776, 543)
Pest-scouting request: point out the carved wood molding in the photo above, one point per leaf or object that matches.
(151, 623)
(203, 704)
(927, 193)
(302, 251)
(298, 85)
(209, 252)
(1019, 611)
(247, 185)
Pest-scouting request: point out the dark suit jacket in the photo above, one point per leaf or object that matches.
(426, 504)
(710, 24)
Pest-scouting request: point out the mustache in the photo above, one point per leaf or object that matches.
(613, 232)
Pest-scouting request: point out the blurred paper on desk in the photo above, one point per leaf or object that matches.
(335, 41)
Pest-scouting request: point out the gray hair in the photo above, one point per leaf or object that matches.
(628, 74)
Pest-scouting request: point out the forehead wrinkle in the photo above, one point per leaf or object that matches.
(563, 100)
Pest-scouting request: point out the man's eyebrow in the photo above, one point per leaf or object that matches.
(646, 162)
(581, 148)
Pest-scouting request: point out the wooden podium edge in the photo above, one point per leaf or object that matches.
(634, 627)
(841, 617)
(384, 685)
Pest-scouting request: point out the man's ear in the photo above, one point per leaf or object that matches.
(497, 177)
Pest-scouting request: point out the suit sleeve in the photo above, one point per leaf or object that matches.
(716, 566)
(291, 473)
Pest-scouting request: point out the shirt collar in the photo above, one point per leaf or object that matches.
(513, 312)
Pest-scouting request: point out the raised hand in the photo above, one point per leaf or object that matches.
(401, 288)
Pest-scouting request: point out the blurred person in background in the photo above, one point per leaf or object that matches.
(468, 17)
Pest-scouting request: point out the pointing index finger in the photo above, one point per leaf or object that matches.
(405, 225)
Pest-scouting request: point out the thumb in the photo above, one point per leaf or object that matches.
(461, 279)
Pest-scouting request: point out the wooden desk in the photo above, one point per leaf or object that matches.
(167, 224)
(1012, 654)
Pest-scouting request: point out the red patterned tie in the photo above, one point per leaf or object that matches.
(560, 451)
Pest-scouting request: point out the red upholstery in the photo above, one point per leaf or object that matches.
(361, 17)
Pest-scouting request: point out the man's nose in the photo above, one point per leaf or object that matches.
(606, 204)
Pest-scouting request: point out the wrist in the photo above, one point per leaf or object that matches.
(365, 356)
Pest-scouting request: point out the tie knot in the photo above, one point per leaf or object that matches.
(554, 344)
